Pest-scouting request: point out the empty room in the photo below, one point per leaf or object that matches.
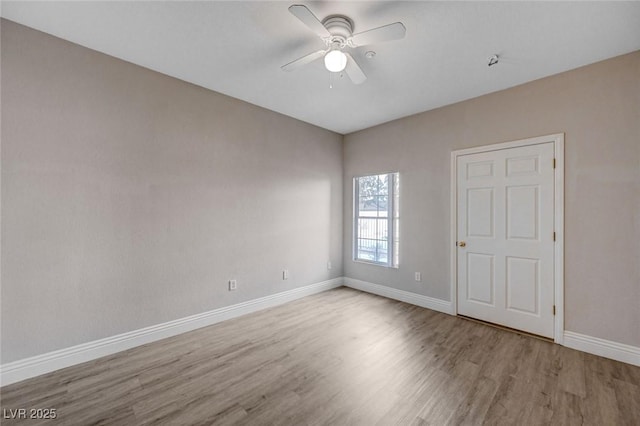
(320, 213)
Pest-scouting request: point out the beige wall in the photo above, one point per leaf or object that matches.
(598, 109)
(129, 198)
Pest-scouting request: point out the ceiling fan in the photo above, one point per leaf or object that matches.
(336, 31)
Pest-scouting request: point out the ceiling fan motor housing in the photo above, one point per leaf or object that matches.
(340, 27)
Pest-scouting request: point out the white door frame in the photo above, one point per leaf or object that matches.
(558, 269)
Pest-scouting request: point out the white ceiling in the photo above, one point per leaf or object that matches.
(237, 48)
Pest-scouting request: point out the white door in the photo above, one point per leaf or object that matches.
(505, 236)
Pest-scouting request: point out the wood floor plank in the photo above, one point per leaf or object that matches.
(339, 357)
(572, 375)
(628, 399)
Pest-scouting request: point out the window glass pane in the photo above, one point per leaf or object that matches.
(381, 203)
(367, 249)
(382, 230)
(383, 184)
(367, 203)
(382, 253)
(368, 186)
(367, 228)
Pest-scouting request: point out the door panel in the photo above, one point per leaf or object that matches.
(480, 169)
(522, 166)
(480, 201)
(505, 216)
(522, 212)
(522, 284)
(480, 279)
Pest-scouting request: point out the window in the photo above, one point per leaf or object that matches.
(376, 217)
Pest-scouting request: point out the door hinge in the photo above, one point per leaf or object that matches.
(554, 235)
(554, 309)
(554, 163)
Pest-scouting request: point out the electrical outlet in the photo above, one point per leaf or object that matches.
(233, 285)
(418, 276)
(328, 265)
(285, 274)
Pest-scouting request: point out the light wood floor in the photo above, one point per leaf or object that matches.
(337, 358)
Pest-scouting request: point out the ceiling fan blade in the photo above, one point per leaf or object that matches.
(354, 71)
(303, 61)
(389, 32)
(309, 19)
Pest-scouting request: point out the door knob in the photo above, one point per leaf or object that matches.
(462, 244)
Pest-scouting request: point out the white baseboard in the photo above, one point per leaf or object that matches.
(605, 348)
(40, 364)
(401, 295)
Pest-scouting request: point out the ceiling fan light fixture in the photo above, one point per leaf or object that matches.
(335, 60)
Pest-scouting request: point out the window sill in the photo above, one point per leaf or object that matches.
(382, 265)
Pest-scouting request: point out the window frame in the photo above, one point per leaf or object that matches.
(392, 219)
